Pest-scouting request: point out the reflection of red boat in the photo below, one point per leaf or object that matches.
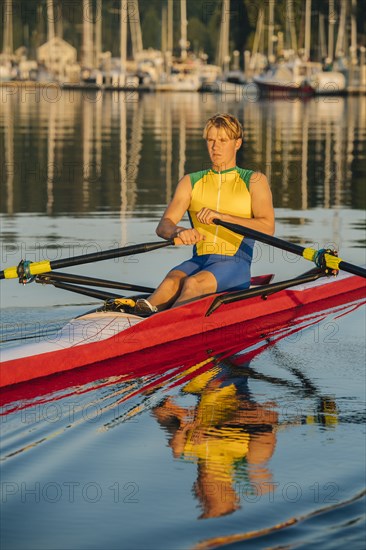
(116, 342)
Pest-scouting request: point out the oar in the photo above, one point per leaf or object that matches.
(28, 269)
(331, 262)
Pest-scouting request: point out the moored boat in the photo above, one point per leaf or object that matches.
(299, 79)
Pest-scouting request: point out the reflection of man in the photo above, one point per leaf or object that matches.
(229, 436)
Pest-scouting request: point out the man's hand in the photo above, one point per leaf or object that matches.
(206, 215)
(190, 236)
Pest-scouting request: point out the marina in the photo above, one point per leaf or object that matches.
(286, 57)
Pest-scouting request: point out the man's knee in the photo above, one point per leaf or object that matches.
(195, 284)
(174, 279)
(201, 283)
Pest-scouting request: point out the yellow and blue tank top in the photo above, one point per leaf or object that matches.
(228, 193)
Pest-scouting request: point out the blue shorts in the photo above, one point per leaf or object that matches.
(230, 272)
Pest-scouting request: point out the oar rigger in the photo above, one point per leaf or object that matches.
(325, 259)
(24, 272)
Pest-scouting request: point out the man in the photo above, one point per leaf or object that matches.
(221, 259)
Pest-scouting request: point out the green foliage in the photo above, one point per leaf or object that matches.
(151, 29)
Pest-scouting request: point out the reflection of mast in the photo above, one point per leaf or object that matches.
(87, 144)
(304, 159)
(123, 167)
(182, 141)
(135, 153)
(98, 137)
(351, 136)
(9, 156)
(51, 157)
(339, 158)
(285, 144)
(168, 150)
(269, 148)
(327, 162)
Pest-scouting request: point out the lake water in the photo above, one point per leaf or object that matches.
(266, 450)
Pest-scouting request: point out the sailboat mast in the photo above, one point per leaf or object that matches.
(292, 25)
(123, 33)
(307, 29)
(98, 33)
(87, 56)
(332, 20)
(50, 21)
(353, 47)
(339, 51)
(183, 29)
(8, 31)
(270, 30)
(135, 27)
(170, 27)
(223, 53)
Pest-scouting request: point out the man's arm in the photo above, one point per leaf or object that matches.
(263, 214)
(167, 227)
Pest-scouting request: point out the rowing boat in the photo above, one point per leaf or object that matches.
(115, 334)
(100, 336)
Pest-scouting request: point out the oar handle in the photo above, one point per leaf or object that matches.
(332, 262)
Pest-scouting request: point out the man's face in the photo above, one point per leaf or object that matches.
(221, 148)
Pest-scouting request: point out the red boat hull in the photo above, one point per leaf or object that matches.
(247, 322)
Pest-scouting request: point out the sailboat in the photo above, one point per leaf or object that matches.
(179, 75)
(295, 74)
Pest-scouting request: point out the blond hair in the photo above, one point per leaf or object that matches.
(229, 123)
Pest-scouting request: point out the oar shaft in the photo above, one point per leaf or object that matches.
(36, 268)
(108, 254)
(91, 292)
(354, 269)
(332, 262)
(91, 281)
(262, 237)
